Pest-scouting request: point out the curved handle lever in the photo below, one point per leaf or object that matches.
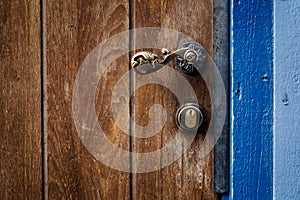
(189, 59)
(146, 62)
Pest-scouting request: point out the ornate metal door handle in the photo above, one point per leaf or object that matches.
(189, 57)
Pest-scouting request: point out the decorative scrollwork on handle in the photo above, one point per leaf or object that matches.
(189, 59)
(146, 62)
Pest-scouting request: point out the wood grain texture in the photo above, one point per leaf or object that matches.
(73, 29)
(20, 100)
(190, 176)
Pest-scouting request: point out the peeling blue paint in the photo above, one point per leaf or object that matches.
(251, 71)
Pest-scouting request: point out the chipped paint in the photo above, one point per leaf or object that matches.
(251, 70)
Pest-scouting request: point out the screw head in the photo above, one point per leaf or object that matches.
(190, 56)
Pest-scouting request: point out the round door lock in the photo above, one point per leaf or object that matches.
(189, 117)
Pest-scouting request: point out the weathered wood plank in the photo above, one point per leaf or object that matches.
(20, 100)
(73, 29)
(190, 176)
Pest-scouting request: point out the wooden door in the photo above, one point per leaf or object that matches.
(190, 177)
(57, 38)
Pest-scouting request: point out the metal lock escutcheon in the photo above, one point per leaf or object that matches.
(189, 117)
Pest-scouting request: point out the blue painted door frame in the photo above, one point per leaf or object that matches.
(264, 99)
(251, 99)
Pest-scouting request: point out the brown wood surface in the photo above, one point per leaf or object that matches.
(20, 100)
(190, 177)
(73, 29)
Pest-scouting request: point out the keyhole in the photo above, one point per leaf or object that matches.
(189, 117)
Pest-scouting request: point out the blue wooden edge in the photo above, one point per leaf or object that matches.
(251, 99)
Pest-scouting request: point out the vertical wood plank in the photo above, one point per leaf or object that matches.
(73, 29)
(190, 177)
(20, 100)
